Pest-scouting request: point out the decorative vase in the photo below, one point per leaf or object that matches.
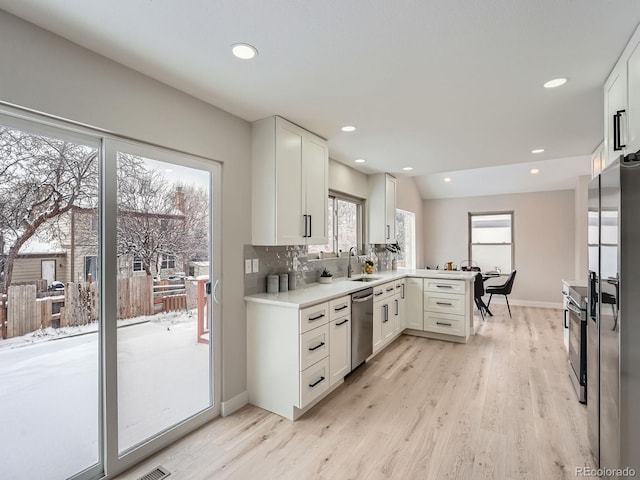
(394, 264)
(325, 279)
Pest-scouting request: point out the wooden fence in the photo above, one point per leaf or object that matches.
(21, 312)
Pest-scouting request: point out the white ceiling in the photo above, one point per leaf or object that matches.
(442, 86)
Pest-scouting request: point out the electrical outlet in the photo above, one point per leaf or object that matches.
(247, 266)
(256, 265)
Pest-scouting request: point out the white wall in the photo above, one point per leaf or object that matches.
(408, 198)
(544, 243)
(44, 72)
(581, 250)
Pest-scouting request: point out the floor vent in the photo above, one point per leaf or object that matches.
(157, 473)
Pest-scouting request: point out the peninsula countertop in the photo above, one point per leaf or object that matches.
(316, 293)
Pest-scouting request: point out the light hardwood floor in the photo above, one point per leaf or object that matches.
(501, 406)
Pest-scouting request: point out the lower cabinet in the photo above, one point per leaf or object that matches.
(414, 292)
(340, 346)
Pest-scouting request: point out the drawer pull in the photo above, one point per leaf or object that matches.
(444, 323)
(379, 293)
(316, 347)
(390, 289)
(342, 322)
(444, 286)
(444, 303)
(316, 318)
(340, 308)
(320, 380)
(398, 286)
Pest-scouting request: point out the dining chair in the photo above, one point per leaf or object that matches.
(504, 289)
(478, 292)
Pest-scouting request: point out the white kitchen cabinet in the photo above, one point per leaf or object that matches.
(399, 307)
(379, 314)
(339, 339)
(381, 206)
(615, 114)
(288, 357)
(597, 160)
(289, 183)
(447, 307)
(413, 303)
(633, 100)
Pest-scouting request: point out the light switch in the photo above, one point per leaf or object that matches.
(247, 266)
(256, 265)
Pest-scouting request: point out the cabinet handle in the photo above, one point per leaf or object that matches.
(390, 289)
(388, 232)
(397, 307)
(321, 344)
(305, 226)
(379, 293)
(444, 286)
(402, 290)
(316, 318)
(386, 313)
(616, 131)
(444, 303)
(311, 385)
(566, 325)
(444, 323)
(340, 308)
(310, 229)
(342, 322)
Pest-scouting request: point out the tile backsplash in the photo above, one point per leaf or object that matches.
(294, 258)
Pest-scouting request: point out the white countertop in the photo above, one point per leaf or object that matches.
(317, 293)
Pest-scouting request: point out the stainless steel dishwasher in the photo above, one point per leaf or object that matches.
(361, 326)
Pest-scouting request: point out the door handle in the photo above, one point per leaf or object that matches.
(617, 145)
(388, 232)
(305, 227)
(310, 229)
(214, 290)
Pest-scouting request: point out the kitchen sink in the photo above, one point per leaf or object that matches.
(365, 279)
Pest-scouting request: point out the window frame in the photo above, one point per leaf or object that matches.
(360, 205)
(511, 213)
(414, 252)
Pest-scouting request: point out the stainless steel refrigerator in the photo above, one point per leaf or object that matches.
(613, 323)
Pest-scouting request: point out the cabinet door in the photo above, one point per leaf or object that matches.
(414, 297)
(339, 349)
(378, 316)
(396, 313)
(387, 321)
(290, 218)
(615, 101)
(633, 105)
(390, 209)
(316, 166)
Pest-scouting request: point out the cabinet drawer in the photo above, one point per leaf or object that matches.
(313, 317)
(444, 323)
(314, 346)
(314, 381)
(444, 303)
(383, 291)
(399, 287)
(444, 285)
(340, 307)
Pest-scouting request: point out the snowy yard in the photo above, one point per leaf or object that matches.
(49, 391)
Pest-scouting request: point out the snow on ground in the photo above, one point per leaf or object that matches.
(49, 391)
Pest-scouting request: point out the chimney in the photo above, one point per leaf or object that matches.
(179, 199)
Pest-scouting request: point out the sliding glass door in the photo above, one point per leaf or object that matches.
(109, 313)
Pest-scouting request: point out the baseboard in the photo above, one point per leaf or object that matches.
(233, 404)
(524, 303)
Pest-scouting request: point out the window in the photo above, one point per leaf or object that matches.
(137, 264)
(406, 237)
(90, 268)
(491, 240)
(168, 261)
(344, 229)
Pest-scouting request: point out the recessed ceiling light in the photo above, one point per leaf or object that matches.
(244, 51)
(534, 171)
(407, 169)
(447, 179)
(360, 160)
(537, 150)
(348, 128)
(556, 82)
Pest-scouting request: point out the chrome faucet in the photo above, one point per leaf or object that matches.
(349, 266)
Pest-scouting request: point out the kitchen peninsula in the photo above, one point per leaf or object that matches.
(299, 341)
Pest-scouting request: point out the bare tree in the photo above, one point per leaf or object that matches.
(157, 218)
(41, 178)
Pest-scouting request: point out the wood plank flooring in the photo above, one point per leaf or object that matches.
(500, 407)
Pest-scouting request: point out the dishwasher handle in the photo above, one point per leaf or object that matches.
(361, 299)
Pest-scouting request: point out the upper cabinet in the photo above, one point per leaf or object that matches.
(622, 104)
(382, 208)
(289, 182)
